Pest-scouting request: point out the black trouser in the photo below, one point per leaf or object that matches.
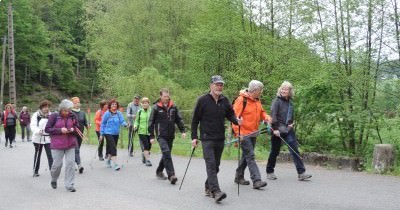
(248, 159)
(111, 146)
(78, 150)
(38, 154)
(101, 143)
(276, 143)
(131, 134)
(145, 142)
(9, 133)
(212, 152)
(166, 159)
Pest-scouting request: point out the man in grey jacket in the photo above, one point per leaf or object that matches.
(131, 110)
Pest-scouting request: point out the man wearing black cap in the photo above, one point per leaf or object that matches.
(210, 112)
(131, 110)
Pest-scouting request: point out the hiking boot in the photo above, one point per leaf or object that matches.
(161, 176)
(148, 163)
(80, 169)
(143, 159)
(259, 184)
(219, 196)
(36, 174)
(53, 185)
(304, 176)
(108, 163)
(271, 176)
(71, 189)
(101, 158)
(241, 181)
(131, 154)
(173, 179)
(207, 192)
(11, 146)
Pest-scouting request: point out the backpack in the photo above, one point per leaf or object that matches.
(244, 106)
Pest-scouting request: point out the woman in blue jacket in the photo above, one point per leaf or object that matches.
(109, 128)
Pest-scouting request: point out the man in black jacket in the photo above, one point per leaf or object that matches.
(210, 112)
(163, 117)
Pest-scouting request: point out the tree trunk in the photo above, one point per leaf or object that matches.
(290, 20)
(322, 31)
(396, 21)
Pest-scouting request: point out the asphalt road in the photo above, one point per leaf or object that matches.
(136, 187)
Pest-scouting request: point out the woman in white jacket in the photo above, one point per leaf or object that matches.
(41, 139)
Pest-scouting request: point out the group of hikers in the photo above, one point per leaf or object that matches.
(61, 133)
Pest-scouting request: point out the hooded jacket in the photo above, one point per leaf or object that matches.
(163, 119)
(251, 115)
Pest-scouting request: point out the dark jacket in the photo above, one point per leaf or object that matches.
(279, 112)
(163, 119)
(24, 118)
(81, 117)
(211, 116)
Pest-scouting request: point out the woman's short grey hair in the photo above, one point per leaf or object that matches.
(65, 104)
(288, 85)
(255, 85)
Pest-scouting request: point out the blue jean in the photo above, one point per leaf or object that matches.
(276, 143)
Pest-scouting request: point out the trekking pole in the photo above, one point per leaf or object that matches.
(89, 125)
(261, 131)
(95, 154)
(191, 155)
(297, 154)
(238, 185)
(130, 139)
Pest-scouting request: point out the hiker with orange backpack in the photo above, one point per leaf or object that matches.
(248, 107)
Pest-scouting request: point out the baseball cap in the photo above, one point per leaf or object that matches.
(217, 79)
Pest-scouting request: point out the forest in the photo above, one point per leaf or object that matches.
(343, 57)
